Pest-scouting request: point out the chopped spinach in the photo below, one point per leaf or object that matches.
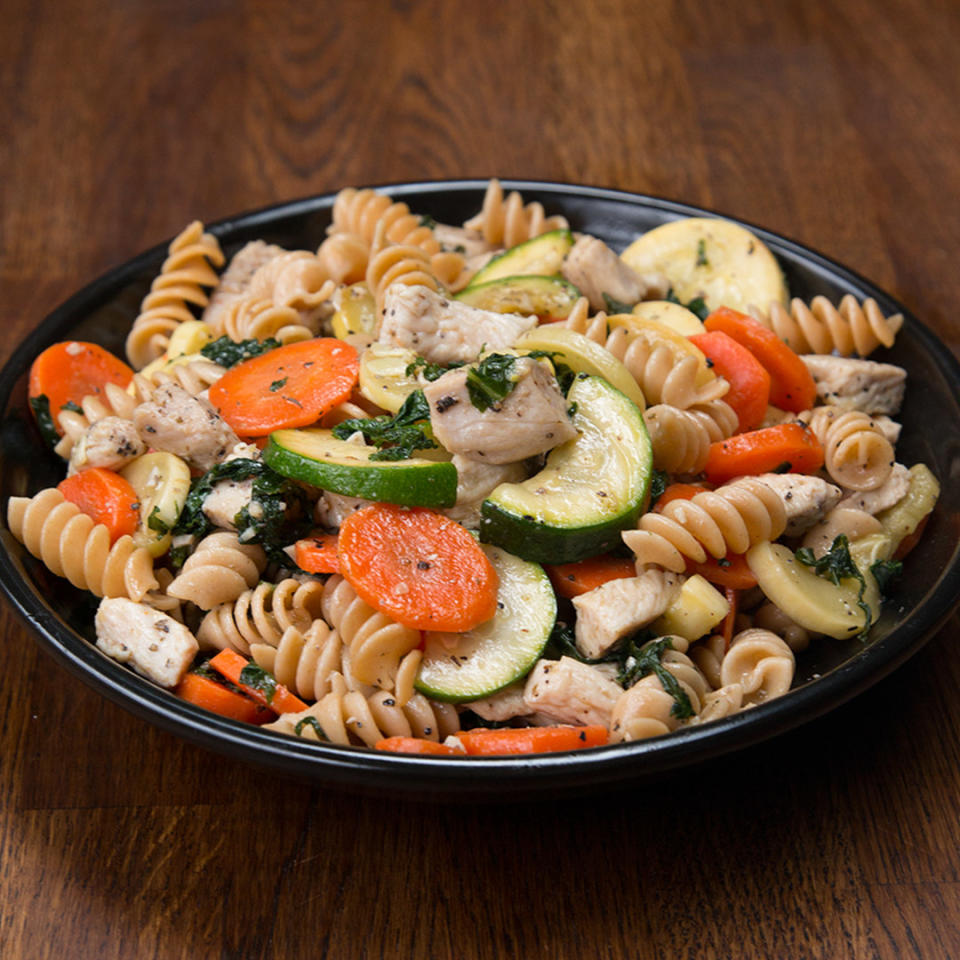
(702, 260)
(313, 723)
(836, 565)
(156, 522)
(41, 410)
(228, 353)
(430, 371)
(491, 380)
(659, 480)
(72, 407)
(616, 306)
(697, 305)
(278, 385)
(643, 658)
(178, 555)
(427, 221)
(885, 572)
(255, 677)
(562, 643)
(395, 437)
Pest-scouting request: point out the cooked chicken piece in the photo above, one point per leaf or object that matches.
(187, 426)
(775, 416)
(225, 500)
(503, 705)
(595, 270)
(476, 481)
(568, 691)
(155, 645)
(619, 607)
(468, 242)
(531, 419)
(873, 501)
(890, 429)
(854, 384)
(111, 442)
(805, 499)
(333, 508)
(445, 331)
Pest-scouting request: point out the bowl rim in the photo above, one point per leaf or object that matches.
(487, 777)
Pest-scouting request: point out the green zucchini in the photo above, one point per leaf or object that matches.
(494, 654)
(541, 256)
(550, 297)
(317, 457)
(591, 488)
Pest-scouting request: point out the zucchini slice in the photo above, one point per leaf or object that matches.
(542, 256)
(550, 297)
(494, 654)
(317, 457)
(161, 482)
(383, 375)
(591, 488)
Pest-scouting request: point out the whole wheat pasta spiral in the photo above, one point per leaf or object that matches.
(377, 644)
(183, 276)
(261, 614)
(761, 663)
(399, 264)
(249, 318)
(344, 257)
(507, 222)
(303, 661)
(856, 453)
(681, 438)
(296, 279)
(71, 545)
(730, 519)
(218, 571)
(820, 327)
(770, 617)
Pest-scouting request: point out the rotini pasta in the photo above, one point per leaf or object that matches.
(681, 438)
(218, 571)
(509, 221)
(857, 455)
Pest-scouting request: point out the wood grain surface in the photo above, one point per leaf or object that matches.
(835, 123)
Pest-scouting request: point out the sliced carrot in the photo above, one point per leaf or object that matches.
(69, 371)
(213, 696)
(730, 620)
(573, 579)
(417, 745)
(532, 739)
(787, 447)
(264, 690)
(791, 385)
(417, 566)
(292, 386)
(678, 491)
(106, 497)
(317, 554)
(730, 571)
(749, 392)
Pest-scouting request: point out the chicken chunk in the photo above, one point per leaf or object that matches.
(568, 691)
(445, 331)
(619, 607)
(225, 500)
(155, 645)
(873, 501)
(475, 482)
(470, 243)
(333, 508)
(503, 705)
(806, 500)
(187, 426)
(854, 384)
(111, 442)
(595, 270)
(531, 419)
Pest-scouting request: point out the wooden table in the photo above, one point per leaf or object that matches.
(834, 123)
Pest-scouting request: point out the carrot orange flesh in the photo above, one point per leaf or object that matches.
(292, 386)
(791, 384)
(788, 447)
(524, 740)
(417, 566)
(749, 392)
(212, 696)
(317, 554)
(106, 498)
(417, 745)
(678, 491)
(266, 690)
(69, 371)
(573, 579)
(730, 571)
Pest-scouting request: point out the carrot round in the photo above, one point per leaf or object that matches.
(788, 447)
(212, 696)
(678, 491)
(573, 579)
(106, 497)
(749, 392)
(417, 566)
(531, 739)
(791, 384)
(317, 554)
(730, 571)
(417, 745)
(261, 687)
(69, 371)
(292, 386)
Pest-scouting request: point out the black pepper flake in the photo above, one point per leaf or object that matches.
(423, 564)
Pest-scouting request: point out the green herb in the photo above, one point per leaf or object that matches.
(205, 670)
(702, 260)
(836, 565)
(178, 556)
(659, 480)
(430, 371)
(784, 467)
(310, 722)
(490, 381)
(255, 677)
(228, 353)
(885, 572)
(278, 384)
(156, 522)
(646, 658)
(616, 306)
(697, 305)
(395, 437)
(41, 410)
(73, 407)
(427, 221)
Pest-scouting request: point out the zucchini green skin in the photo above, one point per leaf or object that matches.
(528, 295)
(590, 489)
(318, 458)
(541, 256)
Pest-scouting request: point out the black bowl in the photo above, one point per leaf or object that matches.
(830, 673)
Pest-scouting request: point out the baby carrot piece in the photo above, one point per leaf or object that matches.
(749, 381)
(678, 491)
(105, 497)
(292, 386)
(256, 682)
(212, 696)
(531, 739)
(67, 372)
(730, 571)
(573, 579)
(417, 745)
(791, 384)
(417, 566)
(317, 554)
(788, 447)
